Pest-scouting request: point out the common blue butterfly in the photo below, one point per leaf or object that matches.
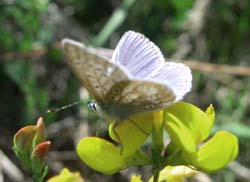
(136, 79)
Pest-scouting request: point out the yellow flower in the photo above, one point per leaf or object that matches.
(67, 176)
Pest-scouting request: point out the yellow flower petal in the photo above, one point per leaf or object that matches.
(217, 152)
(101, 155)
(67, 176)
(132, 132)
(175, 174)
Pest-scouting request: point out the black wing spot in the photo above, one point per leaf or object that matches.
(116, 90)
(97, 86)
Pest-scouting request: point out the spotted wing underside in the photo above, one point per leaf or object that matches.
(96, 72)
(130, 97)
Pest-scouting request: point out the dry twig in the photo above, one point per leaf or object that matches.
(193, 64)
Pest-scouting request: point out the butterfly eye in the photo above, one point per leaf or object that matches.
(92, 106)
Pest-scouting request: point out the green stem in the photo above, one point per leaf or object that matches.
(156, 152)
(113, 23)
(156, 175)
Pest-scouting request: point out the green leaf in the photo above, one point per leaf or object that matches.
(23, 139)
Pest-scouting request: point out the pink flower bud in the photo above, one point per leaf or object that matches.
(41, 150)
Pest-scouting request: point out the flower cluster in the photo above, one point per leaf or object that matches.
(188, 142)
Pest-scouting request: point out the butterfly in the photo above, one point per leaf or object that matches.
(136, 79)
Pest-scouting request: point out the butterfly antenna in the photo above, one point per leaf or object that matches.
(64, 107)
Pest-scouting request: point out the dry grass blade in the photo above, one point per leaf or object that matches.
(10, 169)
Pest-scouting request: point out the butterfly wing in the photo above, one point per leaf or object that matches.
(138, 54)
(176, 76)
(146, 62)
(96, 72)
(130, 97)
(153, 83)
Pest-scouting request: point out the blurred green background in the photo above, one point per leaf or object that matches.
(35, 77)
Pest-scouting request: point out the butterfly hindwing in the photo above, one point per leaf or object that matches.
(146, 62)
(176, 76)
(132, 96)
(146, 95)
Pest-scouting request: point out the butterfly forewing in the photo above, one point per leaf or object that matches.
(138, 54)
(97, 74)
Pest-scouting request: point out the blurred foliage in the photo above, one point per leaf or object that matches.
(33, 83)
(228, 35)
(22, 29)
(21, 24)
(161, 20)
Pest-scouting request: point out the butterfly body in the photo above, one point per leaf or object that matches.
(136, 79)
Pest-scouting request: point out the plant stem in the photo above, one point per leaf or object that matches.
(113, 23)
(156, 175)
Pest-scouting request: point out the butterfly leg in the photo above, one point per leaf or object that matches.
(98, 124)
